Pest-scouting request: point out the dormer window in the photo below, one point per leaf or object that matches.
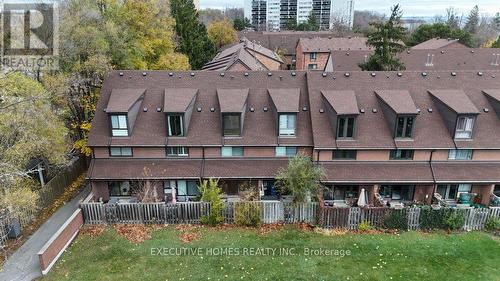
(312, 56)
(175, 125)
(464, 127)
(231, 124)
(287, 124)
(404, 127)
(119, 125)
(345, 127)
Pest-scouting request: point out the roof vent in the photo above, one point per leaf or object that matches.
(293, 73)
(179, 76)
(442, 52)
(347, 54)
(472, 51)
(324, 74)
(144, 74)
(374, 74)
(347, 74)
(222, 74)
(424, 74)
(400, 74)
(334, 77)
(438, 77)
(493, 76)
(374, 110)
(121, 74)
(192, 74)
(212, 109)
(486, 110)
(480, 73)
(429, 110)
(304, 108)
(252, 109)
(321, 110)
(281, 77)
(198, 109)
(269, 74)
(104, 109)
(418, 110)
(145, 109)
(453, 74)
(408, 51)
(246, 74)
(158, 109)
(170, 74)
(265, 109)
(232, 76)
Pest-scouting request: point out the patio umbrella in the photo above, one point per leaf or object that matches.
(362, 198)
(174, 195)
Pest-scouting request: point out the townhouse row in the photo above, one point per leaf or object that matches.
(401, 137)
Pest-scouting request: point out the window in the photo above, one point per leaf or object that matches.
(185, 190)
(120, 151)
(312, 66)
(452, 191)
(404, 127)
(312, 56)
(401, 154)
(175, 125)
(345, 154)
(464, 127)
(397, 192)
(341, 192)
(287, 124)
(119, 188)
(231, 124)
(496, 191)
(228, 151)
(460, 154)
(345, 128)
(286, 150)
(119, 126)
(177, 151)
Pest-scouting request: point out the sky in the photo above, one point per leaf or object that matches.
(425, 8)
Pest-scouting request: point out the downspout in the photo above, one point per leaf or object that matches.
(432, 173)
(202, 170)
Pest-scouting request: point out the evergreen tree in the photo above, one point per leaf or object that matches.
(241, 23)
(472, 20)
(387, 39)
(496, 44)
(191, 33)
(496, 22)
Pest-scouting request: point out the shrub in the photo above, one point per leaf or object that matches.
(492, 224)
(211, 193)
(247, 214)
(365, 226)
(454, 220)
(433, 219)
(396, 219)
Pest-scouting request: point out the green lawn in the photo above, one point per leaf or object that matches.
(409, 256)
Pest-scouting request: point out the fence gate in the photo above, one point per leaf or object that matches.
(354, 218)
(413, 217)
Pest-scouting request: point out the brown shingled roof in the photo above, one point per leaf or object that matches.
(285, 100)
(121, 100)
(178, 100)
(232, 100)
(243, 168)
(464, 172)
(399, 101)
(493, 93)
(318, 44)
(456, 100)
(343, 102)
(437, 43)
(120, 169)
(377, 172)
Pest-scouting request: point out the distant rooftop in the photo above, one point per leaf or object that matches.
(439, 43)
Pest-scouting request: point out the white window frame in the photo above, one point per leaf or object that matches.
(117, 151)
(282, 151)
(170, 128)
(460, 154)
(285, 126)
(119, 125)
(181, 151)
(228, 151)
(464, 128)
(346, 127)
(313, 56)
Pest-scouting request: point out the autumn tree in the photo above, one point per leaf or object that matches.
(29, 130)
(191, 33)
(222, 33)
(387, 40)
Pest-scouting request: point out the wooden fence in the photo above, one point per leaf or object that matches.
(270, 212)
(4, 227)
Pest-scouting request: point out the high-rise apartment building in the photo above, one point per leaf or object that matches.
(276, 14)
